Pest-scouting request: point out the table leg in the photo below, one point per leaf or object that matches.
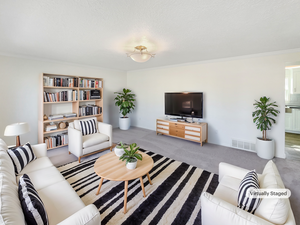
(125, 195)
(100, 184)
(142, 184)
(149, 178)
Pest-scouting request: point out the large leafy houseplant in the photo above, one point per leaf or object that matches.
(131, 155)
(263, 115)
(125, 101)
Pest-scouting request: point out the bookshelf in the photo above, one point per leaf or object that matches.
(58, 99)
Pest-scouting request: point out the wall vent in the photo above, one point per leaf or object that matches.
(245, 145)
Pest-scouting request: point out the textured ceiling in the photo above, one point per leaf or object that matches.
(99, 33)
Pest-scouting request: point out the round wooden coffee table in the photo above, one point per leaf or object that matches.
(109, 167)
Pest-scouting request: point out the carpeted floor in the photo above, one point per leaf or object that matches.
(206, 157)
(173, 198)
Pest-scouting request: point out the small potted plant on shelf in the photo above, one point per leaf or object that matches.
(125, 101)
(119, 149)
(131, 156)
(263, 118)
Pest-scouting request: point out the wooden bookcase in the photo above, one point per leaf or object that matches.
(62, 107)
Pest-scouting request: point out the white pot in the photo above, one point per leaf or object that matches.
(131, 165)
(119, 151)
(124, 123)
(265, 149)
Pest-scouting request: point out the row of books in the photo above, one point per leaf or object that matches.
(58, 140)
(88, 95)
(90, 83)
(60, 82)
(70, 95)
(87, 110)
(61, 116)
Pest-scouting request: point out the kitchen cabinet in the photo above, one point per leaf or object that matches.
(292, 121)
(296, 81)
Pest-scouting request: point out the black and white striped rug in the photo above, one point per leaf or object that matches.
(174, 197)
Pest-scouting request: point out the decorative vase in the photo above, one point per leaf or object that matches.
(119, 151)
(124, 123)
(265, 148)
(131, 165)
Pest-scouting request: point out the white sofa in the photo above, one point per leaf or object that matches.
(221, 207)
(81, 146)
(63, 205)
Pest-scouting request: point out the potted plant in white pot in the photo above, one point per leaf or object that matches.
(131, 156)
(119, 149)
(125, 101)
(263, 118)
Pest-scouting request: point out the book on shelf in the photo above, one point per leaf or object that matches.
(56, 117)
(95, 94)
(57, 140)
(60, 81)
(69, 115)
(88, 110)
(70, 95)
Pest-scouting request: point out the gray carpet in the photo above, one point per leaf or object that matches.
(206, 157)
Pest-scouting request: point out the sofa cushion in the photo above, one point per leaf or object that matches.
(33, 207)
(275, 210)
(250, 182)
(21, 156)
(61, 201)
(227, 189)
(3, 146)
(44, 177)
(93, 139)
(77, 123)
(38, 164)
(10, 208)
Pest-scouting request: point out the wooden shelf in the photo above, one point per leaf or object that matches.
(58, 120)
(80, 117)
(58, 87)
(57, 147)
(90, 100)
(55, 131)
(59, 102)
(86, 88)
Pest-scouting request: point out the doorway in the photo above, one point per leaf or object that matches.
(292, 111)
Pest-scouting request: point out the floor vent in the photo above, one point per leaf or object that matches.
(245, 145)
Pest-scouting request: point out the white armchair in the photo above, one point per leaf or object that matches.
(86, 145)
(221, 207)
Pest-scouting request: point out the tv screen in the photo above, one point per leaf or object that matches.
(183, 104)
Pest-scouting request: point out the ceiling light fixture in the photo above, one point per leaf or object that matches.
(140, 54)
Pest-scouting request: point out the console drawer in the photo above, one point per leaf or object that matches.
(161, 122)
(177, 132)
(163, 127)
(192, 133)
(192, 128)
(177, 126)
(163, 131)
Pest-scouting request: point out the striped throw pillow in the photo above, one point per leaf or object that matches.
(32, 205)
(21, 156)
(250, 182)
(88, 127)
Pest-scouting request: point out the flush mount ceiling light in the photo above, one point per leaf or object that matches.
(140, 54)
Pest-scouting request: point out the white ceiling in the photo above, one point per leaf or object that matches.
(99, 33)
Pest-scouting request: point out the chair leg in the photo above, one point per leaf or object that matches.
(79, 159)
(69, 153)
(111, 148)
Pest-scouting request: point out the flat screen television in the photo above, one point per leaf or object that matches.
(184, 104)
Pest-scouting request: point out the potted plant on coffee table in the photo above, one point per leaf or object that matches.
(131, 156)
(119, 149)
(263, 117)
(125, 101)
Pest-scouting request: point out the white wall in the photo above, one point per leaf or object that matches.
(230, 87)
(19, 88)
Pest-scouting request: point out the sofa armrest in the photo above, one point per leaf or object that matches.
(105, 128)
(216, 211)
(75, 141)
(89, 215)
(232, 171)
(40, 150)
